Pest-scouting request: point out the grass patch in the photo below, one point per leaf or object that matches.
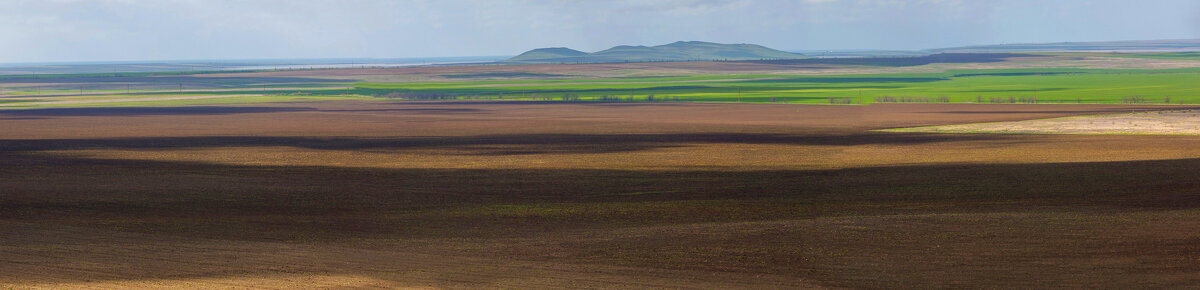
(1095, 86)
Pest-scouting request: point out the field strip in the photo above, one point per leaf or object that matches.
(117, 92)
(50, 256)
(122, 100)
(1174, 122)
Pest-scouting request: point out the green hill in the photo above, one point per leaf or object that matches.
(678, 51)
(548, 53)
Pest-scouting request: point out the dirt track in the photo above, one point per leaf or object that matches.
(529, 195)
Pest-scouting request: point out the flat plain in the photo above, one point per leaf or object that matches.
(1041, 78)
(737, 175)
(526, 194)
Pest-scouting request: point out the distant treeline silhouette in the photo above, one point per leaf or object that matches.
(911, 99)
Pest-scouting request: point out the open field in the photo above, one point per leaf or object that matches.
(1094, 78)
(525, 194)
(1170, 122)
(339, 178)
(956, 86)
(820, 144)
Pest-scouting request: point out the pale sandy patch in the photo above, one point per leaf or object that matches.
(1172, 122)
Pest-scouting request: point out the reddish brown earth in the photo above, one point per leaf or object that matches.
(528, 195)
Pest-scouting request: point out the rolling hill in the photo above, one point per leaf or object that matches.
(677, 51)
(548, 53)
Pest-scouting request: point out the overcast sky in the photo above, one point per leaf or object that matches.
(78, 30)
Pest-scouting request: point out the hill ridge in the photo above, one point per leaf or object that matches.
(675, 51)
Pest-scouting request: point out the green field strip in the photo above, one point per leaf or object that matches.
(1046, 85)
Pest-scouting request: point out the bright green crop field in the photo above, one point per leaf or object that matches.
(1176, 86)
(1029, 85)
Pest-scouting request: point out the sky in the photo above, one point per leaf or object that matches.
(134, 30)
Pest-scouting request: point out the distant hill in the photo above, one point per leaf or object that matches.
(678, 51)
(698, 50)
(548, 53)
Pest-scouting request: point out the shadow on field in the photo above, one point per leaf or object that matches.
(514, 144)
(141, 187)
(304, 204)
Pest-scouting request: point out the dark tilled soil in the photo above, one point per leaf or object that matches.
(524, 195)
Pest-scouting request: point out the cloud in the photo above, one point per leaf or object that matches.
(191, 29)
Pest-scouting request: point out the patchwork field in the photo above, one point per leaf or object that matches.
(1058, 86)
(520, 194)
(815, 173)
(1033, 78)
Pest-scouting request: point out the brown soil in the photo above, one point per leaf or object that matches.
(542, 195)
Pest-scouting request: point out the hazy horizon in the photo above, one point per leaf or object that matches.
(138, 30)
